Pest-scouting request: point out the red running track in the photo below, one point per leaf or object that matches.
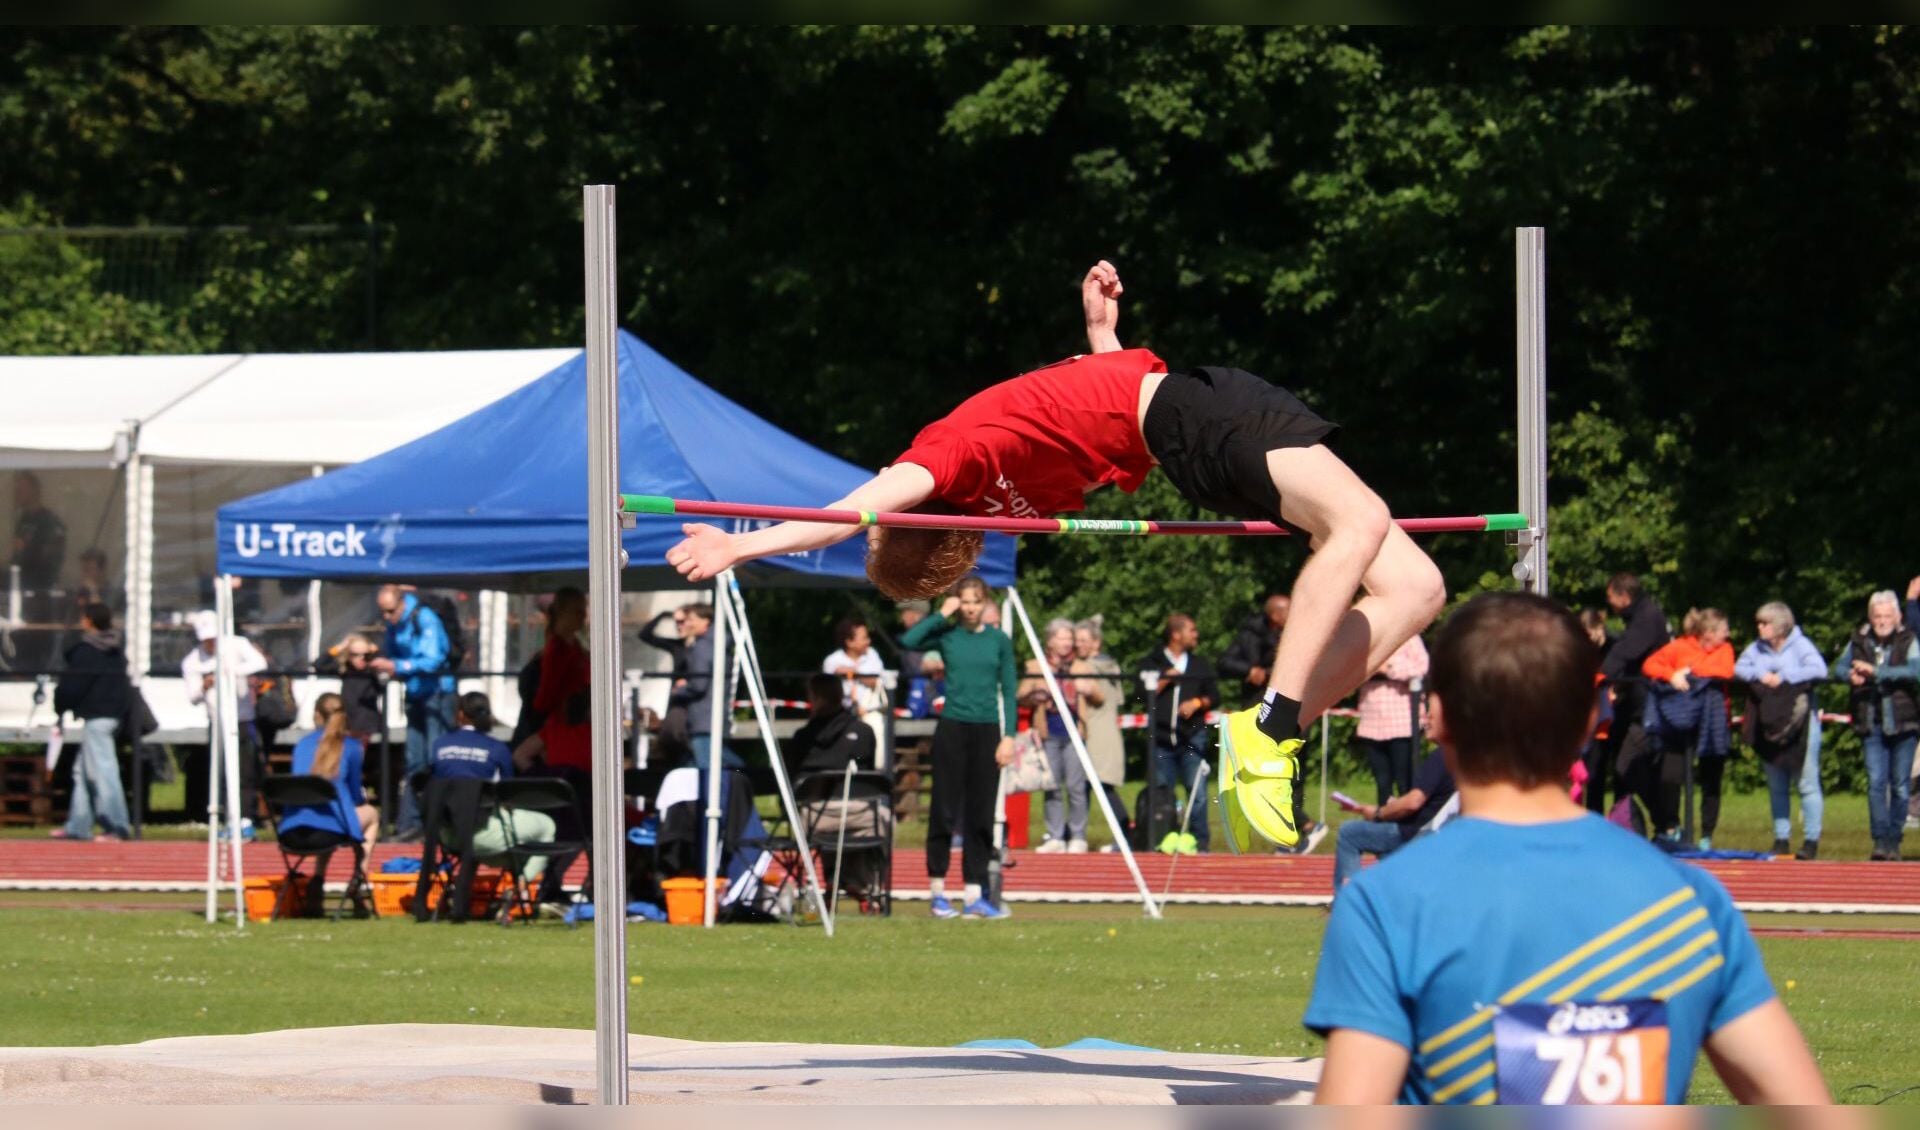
(1755, 885)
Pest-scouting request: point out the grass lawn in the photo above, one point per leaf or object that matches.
(1218, 979)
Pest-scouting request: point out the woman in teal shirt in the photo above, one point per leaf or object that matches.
(972, 740)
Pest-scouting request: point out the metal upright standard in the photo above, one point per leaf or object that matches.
(716, 743)
(1530, 336)
(603, 609)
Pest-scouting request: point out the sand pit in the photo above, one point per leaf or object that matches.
(450, 1063)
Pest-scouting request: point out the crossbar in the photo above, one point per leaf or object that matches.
(687, 507)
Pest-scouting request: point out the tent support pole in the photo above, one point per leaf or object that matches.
(716, 740)
(1080, 751)
(748, 658)
(228, 713)
(603, 595)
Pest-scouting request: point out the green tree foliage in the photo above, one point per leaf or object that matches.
(849, 229)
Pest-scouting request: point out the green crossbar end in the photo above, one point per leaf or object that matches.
(648, 504)
(1506, 521)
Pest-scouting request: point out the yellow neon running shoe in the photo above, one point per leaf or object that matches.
(1259, 774)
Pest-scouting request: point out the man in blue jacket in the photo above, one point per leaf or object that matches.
(417, 652)
(1783, 656)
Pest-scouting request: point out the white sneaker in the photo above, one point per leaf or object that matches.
(1314, 839)
(1076, 847)
(1051, 847)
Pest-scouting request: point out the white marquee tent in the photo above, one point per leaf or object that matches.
(95, 430)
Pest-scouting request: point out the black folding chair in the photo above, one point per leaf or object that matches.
(283, 795)
(869, 807)
(534, 794)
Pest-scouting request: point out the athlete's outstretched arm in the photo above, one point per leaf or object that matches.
(707, 551)
(1100, 295)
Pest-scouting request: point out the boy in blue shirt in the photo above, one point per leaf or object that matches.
(1531, 952)
(471, 750)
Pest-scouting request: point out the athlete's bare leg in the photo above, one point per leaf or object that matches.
(1332, 643)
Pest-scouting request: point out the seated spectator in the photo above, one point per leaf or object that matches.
(1385, 732)
(1385, 827)
(1882, 668)
(1781, 668)
(860, 670)
(330, 752)
(471, 750)
(1445, 970)
(832, 735)
(1687, 717)
(94, 689)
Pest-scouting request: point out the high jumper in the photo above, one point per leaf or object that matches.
(1231, 442)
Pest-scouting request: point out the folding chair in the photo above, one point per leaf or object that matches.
(286, 793)
(868, 816)
(535, 794)
(452, 810)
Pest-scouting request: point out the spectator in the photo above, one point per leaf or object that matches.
(197, 673)
(911, 612)
(1385, 827)
(832, 734)
(1180, 688)
(1100, 712)
(1913, 606)
(1386, 707)
(94, 689)
(416, 650)
(1066, 806)
(362, 690)
(330, 752)
(1783, 657)
(695, 690)
(1687, 716)
(1456, 953)
(1593, 756)
(971, 742)
(470, 750)
(1881, 668)
(1625, 750)
(860, 670)
(919, 669)
(93, 587)
(39, 551)
(1254, 646)
(565, 697)
(673, 724)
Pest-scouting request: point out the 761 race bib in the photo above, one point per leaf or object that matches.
(1582, 1052)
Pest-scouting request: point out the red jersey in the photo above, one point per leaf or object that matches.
(1033, 446)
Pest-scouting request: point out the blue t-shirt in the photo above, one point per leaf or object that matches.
(340, 816)
(1445, 944)
(470, 753)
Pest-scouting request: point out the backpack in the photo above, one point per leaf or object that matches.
(273, 705)
(449, 613)
(1156, 809)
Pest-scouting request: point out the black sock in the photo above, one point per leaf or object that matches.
(1279, 717)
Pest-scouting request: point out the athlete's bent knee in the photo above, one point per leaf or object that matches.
(1363, 524)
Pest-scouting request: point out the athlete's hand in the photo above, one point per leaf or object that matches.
(1100, 295)
(705, 553)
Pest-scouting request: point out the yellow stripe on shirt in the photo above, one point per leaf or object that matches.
(1652, 941)
(1682, 984)
(1699, 942)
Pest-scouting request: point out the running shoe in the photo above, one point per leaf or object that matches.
(943, 909)
(981, 908)
(1259, 772)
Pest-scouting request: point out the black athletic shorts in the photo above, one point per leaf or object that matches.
(1211, 430)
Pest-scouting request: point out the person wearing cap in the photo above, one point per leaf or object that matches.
(197, 671)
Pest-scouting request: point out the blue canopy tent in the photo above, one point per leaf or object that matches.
(503, 491)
